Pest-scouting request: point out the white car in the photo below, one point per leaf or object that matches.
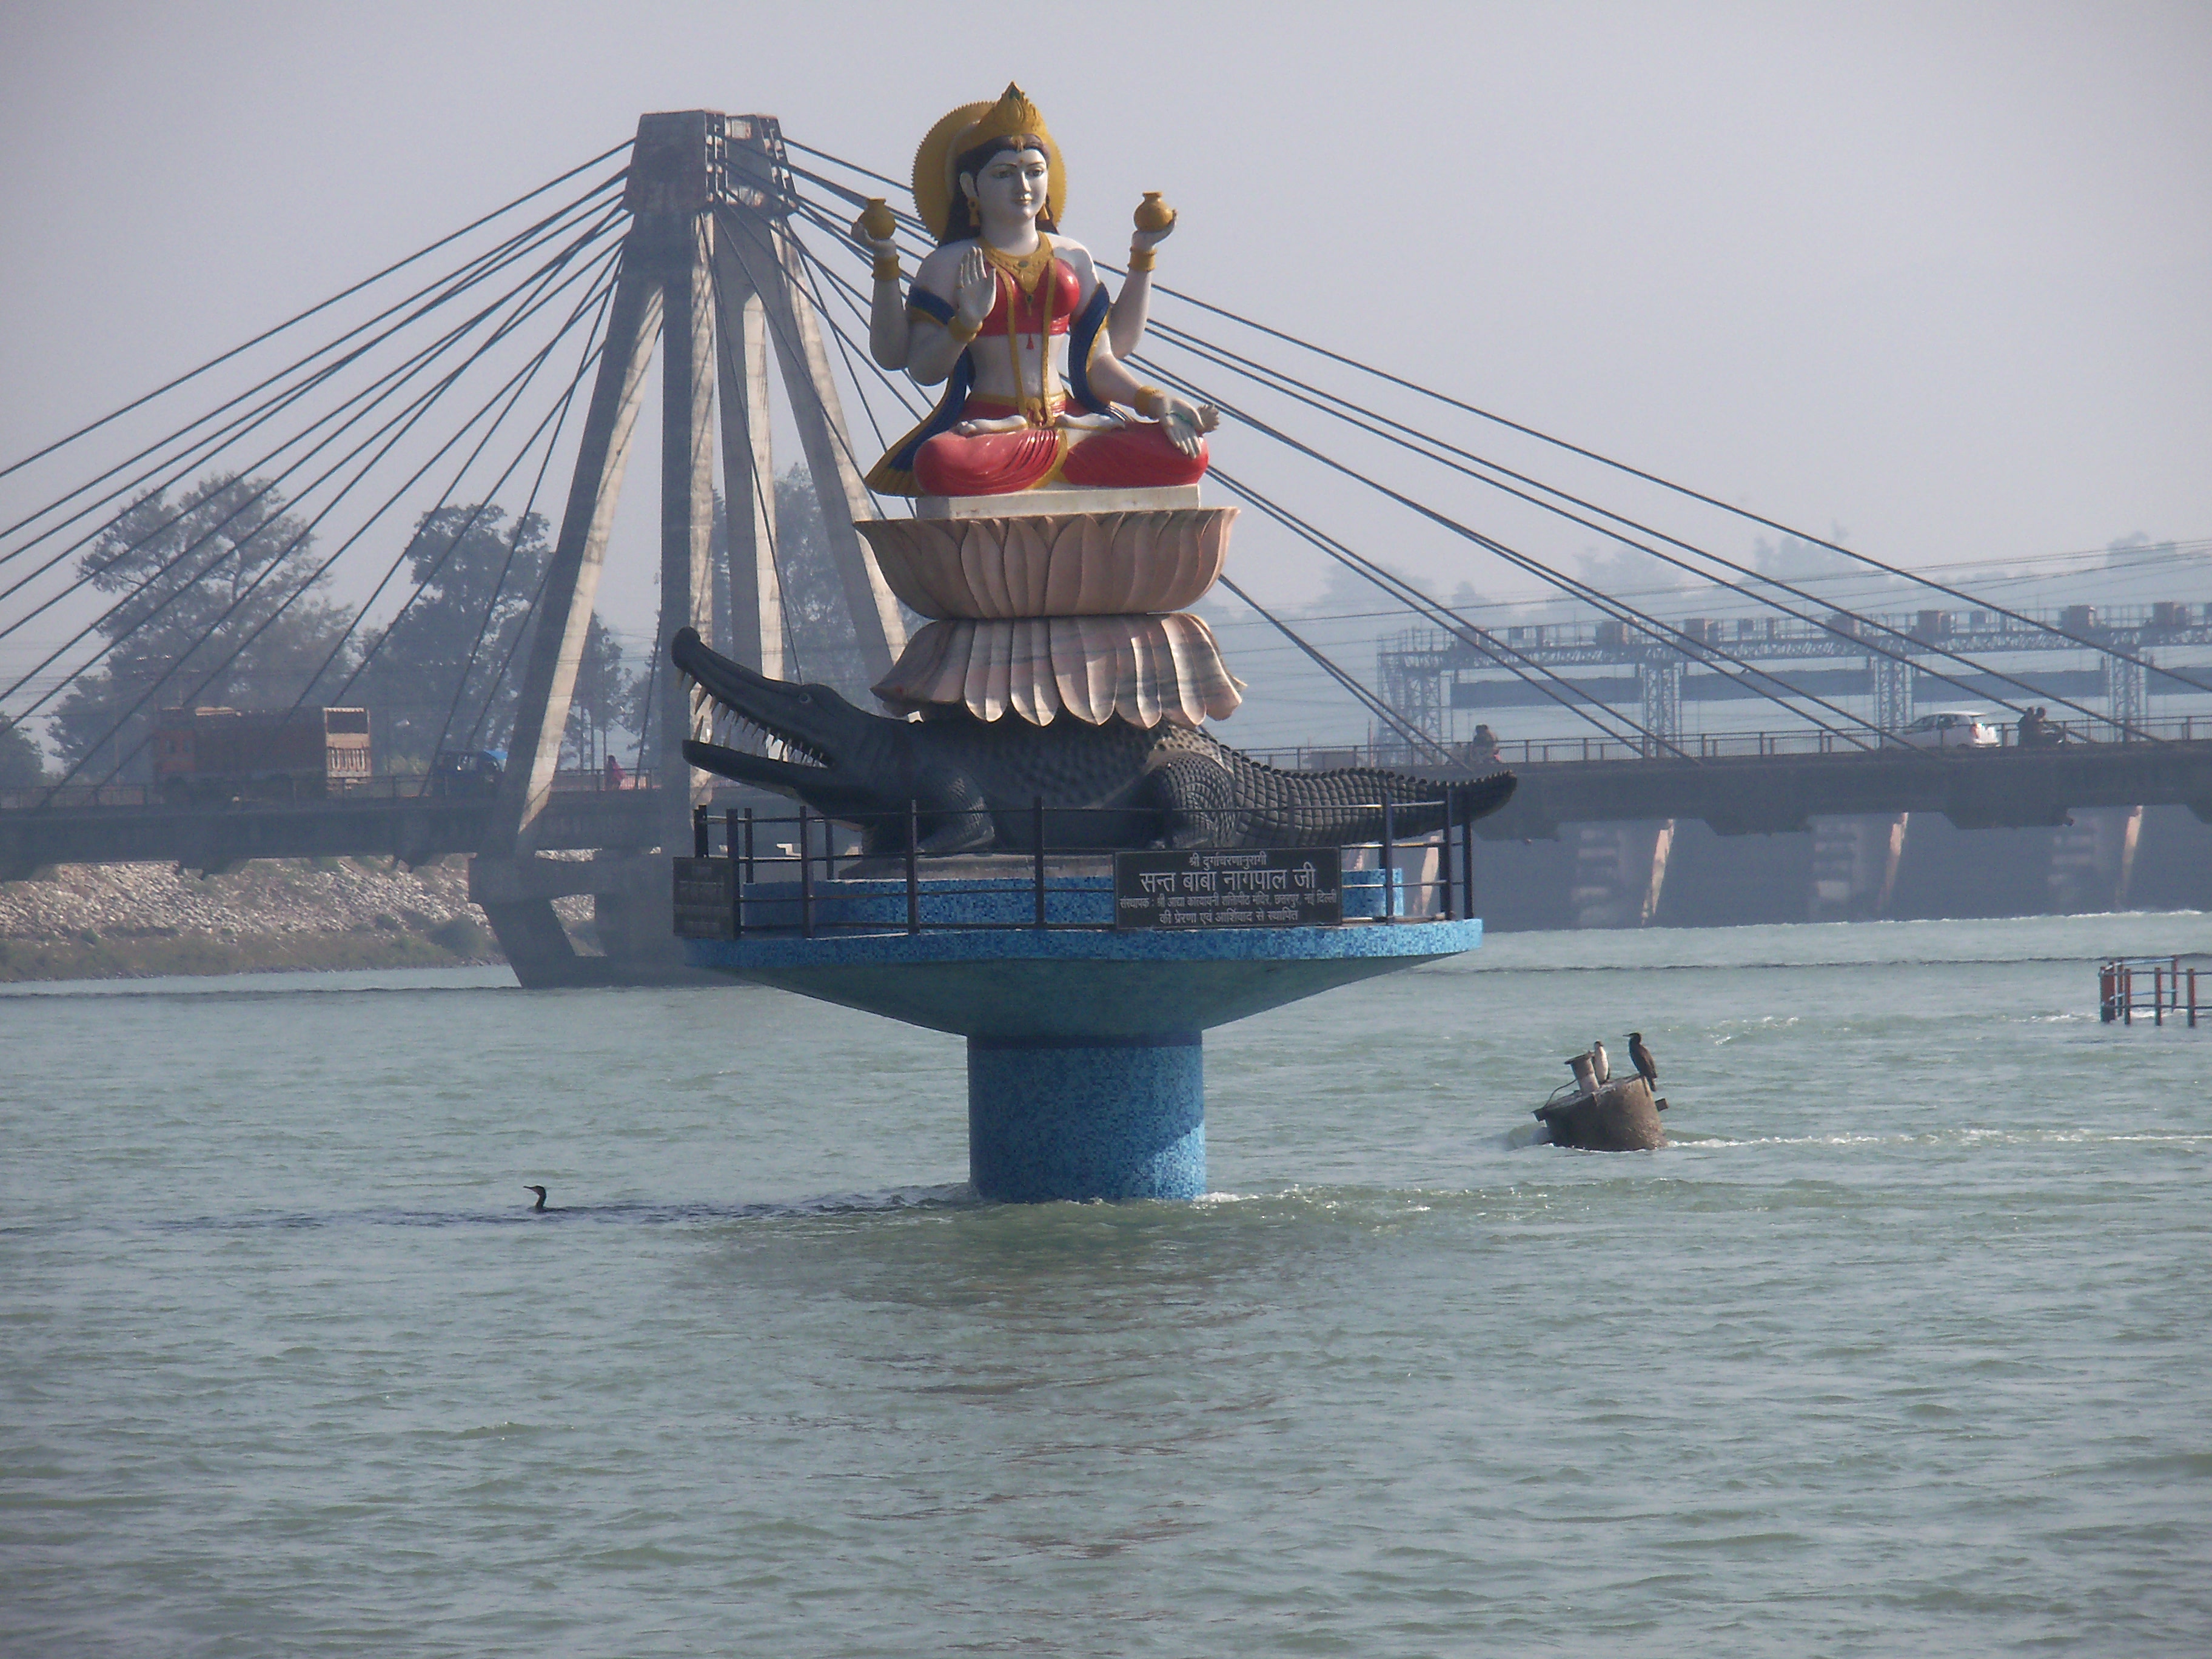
(1951, 728)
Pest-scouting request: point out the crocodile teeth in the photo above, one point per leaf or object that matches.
(718, 723)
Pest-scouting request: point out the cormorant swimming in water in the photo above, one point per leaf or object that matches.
(540, 1191)
(1641, 1058)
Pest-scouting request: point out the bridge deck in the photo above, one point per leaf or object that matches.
(412, 829)
(1975, 788)
(1736, 794)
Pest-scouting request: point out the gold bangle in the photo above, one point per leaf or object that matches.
(887, 268)
(1140, 258)
(1149, 402)
(962, 330)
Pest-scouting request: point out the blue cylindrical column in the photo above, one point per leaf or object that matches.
(1087, 1117)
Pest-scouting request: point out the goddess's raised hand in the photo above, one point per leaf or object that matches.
(1156, 222)
(976, 289)
(877, 230)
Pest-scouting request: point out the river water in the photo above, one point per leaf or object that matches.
(1902, 1347)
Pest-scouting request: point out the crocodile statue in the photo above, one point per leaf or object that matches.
(974, 786)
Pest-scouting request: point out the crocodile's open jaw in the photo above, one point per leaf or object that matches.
(765, 732)
(717, 723)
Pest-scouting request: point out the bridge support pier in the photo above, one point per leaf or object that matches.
(1854, 863)
(2093, 859)
(710, 270)
(630, 915)
(1620, 871)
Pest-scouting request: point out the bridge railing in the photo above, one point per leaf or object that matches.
(277, 792)
(755, 874)
(1702, 746)
(2156, 986)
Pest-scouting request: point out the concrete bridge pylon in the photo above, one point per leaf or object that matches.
(710, 270)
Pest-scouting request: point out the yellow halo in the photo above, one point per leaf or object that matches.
(932, 164)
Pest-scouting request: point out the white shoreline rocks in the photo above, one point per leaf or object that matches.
(107, 920)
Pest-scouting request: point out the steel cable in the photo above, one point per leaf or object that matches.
(1964, 596)
(1572, 586)
(1523, 667)
(595, 344)
(403, 421)
(320, 306)
(1367, 699)
(1419, 603)
(1414, 440)
(425, 300)
(1960, 594)
(590, 300)
(309, 529)
(360, 403)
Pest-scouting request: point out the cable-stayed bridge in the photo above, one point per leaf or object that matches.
(518, 352)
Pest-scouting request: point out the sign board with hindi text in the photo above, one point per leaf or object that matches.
(1300, 887)
(704, 890)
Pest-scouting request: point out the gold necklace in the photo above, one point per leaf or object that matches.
(1026, 268)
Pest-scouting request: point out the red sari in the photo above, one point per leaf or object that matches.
(1043, 453)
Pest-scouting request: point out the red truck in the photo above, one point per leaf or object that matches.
(231, 754)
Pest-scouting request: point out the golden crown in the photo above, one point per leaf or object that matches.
(959, 131)
(1012, 117)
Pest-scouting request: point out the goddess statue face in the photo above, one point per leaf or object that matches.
(1010, 186)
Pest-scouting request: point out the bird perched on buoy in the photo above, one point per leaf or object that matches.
(1604, 1067)
(1640, 1057)
(531, 1187)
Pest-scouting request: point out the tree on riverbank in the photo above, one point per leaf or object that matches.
(217, 605)
(604, 698)
(478, 572)
(22, 763)
(822, 646)
(819, 641)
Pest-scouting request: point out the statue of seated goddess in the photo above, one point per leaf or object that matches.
(1011, 319)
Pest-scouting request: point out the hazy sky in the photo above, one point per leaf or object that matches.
(1933, 274)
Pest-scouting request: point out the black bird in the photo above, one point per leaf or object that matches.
(540, 1191)
(1640, 1057)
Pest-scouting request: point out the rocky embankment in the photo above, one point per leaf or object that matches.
(116, 920)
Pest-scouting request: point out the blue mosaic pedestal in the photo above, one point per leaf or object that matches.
(1086, 1065)
(1087, 1117)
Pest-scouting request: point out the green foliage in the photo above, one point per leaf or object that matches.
(215, 609)
(473, 561)
(466, 938)
(604, 697)
(22, 764)
(819, 642)
(819, 638)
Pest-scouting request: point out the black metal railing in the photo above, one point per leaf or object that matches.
(822, 877)
(1522, 753)
(216, 790)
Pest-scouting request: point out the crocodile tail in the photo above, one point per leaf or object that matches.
(1425, 812)
(1480, 798)
(1475, 798)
